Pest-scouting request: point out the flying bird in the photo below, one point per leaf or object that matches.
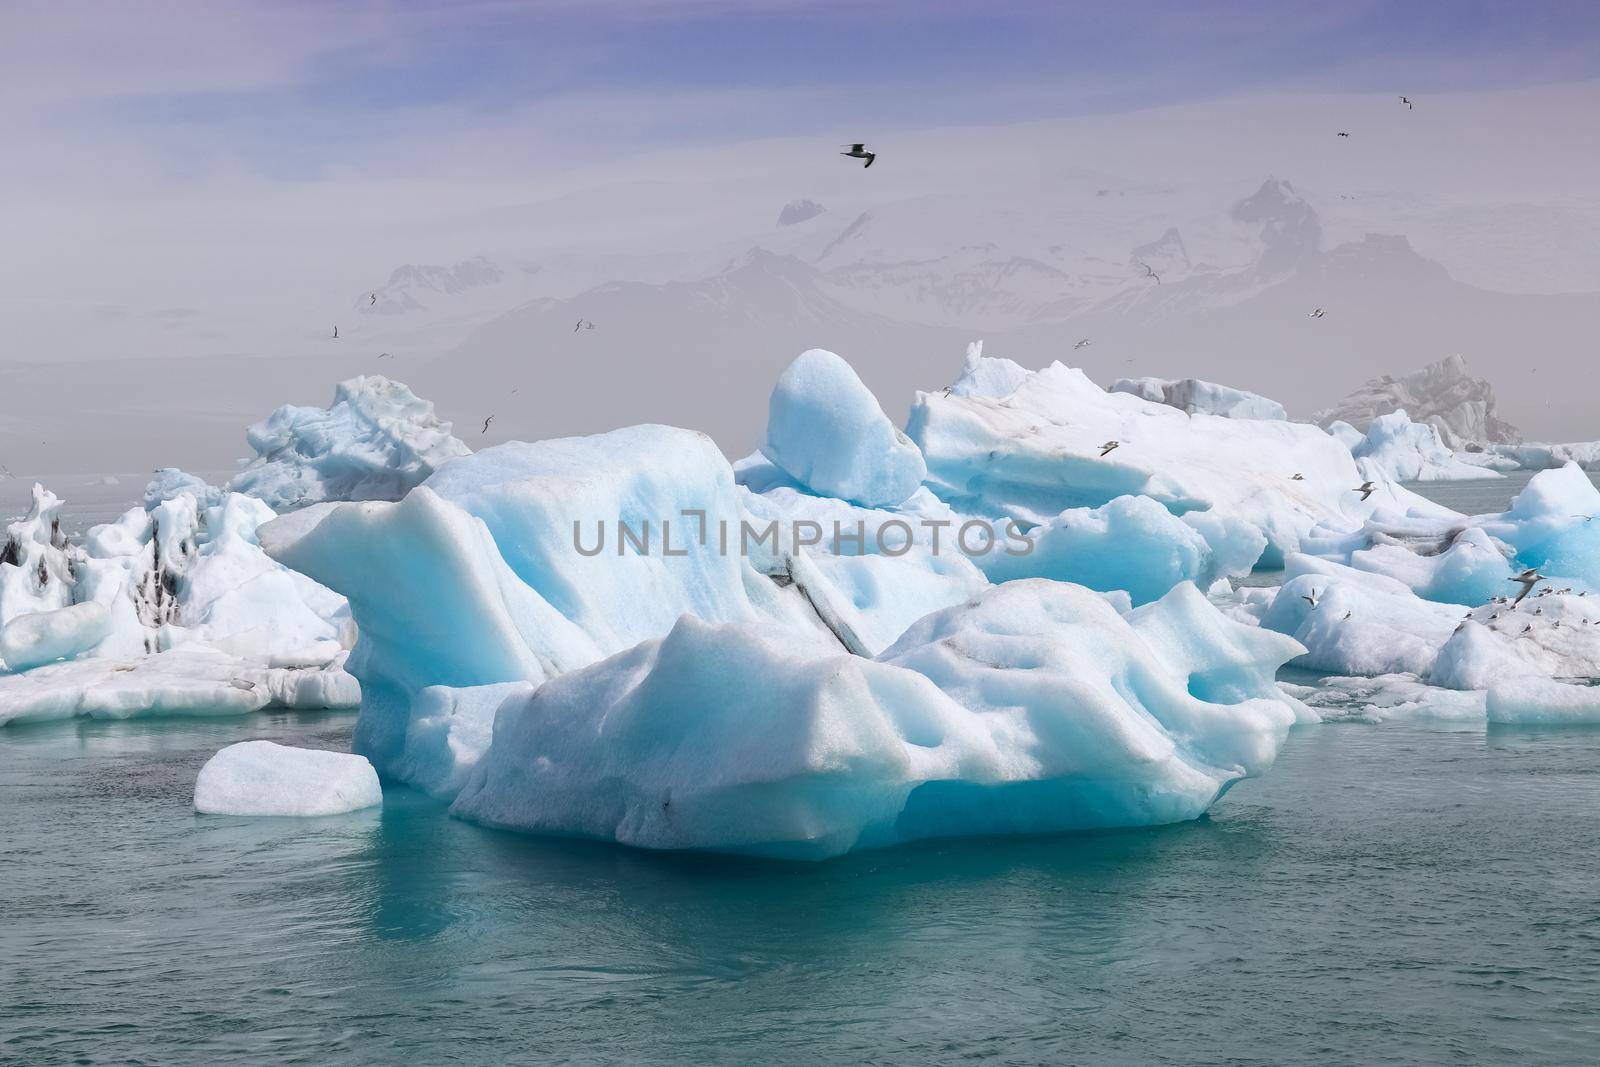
(1083, 342)
(374, 299)
(578, 327)
(486, 423)
(1366, 489)
(336, 333)
(1406, 100)
(1149, 273)
(1107, 448)
(1298, 478)
(1318, 313)
(859, 151)
(384, 355)
(1343, 134)
(1527, 579)
(1312, 599)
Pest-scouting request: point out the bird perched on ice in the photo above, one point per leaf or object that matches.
(1083, 342)
(486, 423)
(859, 151)
(1366, 489)
(1317, 314)
(1527, 579)
(1108, 448)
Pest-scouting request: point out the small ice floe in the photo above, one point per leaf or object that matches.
(264, 778)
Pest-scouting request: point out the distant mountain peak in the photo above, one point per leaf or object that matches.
(1289, 227)
(797, 211)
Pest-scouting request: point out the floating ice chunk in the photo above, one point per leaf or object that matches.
(1534, 457)
(1554, 525)
(264, 778)
(1036, 707)
(46, 636)
(1038, 452)
(448, 732)
(1195, 395)
(1412, 451)
(186, 681)
(1360, 623)
(1474, 658)
(374, 442)
(1386, 698)
(495, 570)
(35, 560)
(1131, 543)
(1527, 700)
(825, 428)
(170, 482)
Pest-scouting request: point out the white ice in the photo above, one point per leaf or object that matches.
(1034, 707)
(265, 778)
(374, 442)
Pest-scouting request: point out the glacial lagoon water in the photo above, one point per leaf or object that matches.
(1425, 893)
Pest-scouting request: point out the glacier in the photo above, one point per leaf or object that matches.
(1197, 396)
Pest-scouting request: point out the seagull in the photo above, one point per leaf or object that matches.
(1343, 134)
(1298, 478)
(1083, 342)
(859, 151)
(1149, 273)
(1527, 579)
(384, 355)
(336, 333)
(1107, 448)
(486, 423)
(374, 299)
(1366, 489)
(578, 327)
(1406, 100)
(1317, 314)
(1347, 615)
(1312, 599)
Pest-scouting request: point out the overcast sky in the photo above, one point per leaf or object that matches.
(163, 156)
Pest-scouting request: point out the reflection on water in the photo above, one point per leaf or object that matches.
(1389, 892)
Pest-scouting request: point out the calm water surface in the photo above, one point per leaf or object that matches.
(1425, 894)
(1397, 892)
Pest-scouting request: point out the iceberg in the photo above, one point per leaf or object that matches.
(264, 778)
(1034, 707)
(525, 561)
(375, 442)
(167, 578)
(825, 428)
(1197, 396)
(1037, 451)
(1442, 395)
(1412, 451)
(193, 680)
